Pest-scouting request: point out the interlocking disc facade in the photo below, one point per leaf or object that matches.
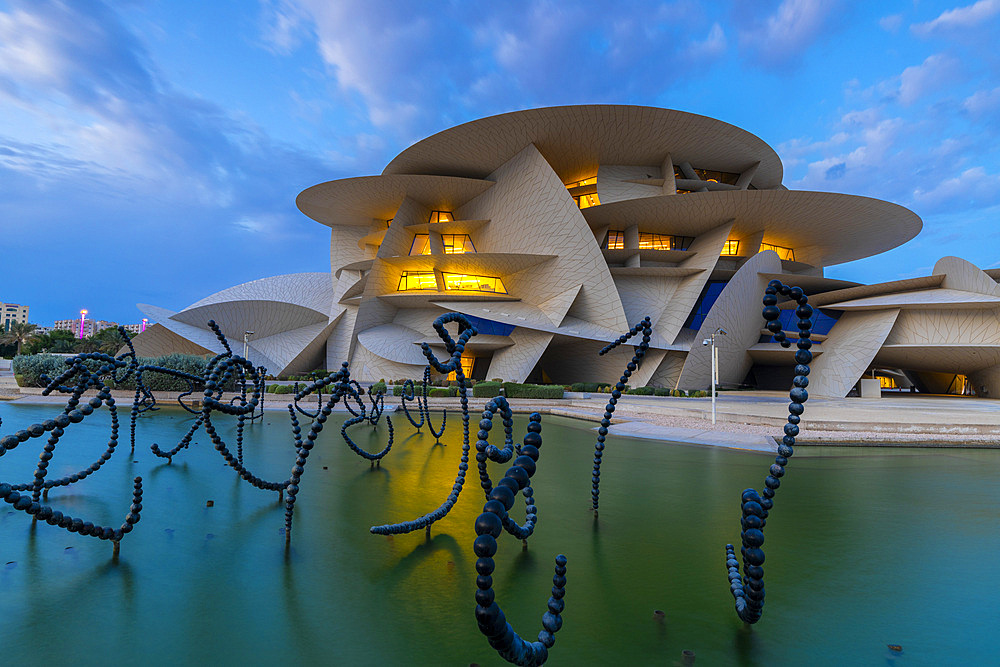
(556, 229)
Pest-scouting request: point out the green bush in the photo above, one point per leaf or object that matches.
(29, 367)
(282, 388)
(489, 389)
(20, 380)
(378, 387)
(587, 386)
(397, 389)
(516, 390)
(641, 391)
(661, 391)
(697, 393)
(439, 392)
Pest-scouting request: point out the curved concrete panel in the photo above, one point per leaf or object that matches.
(576, 139)
(848, 350)
(737, 311)
(790, 218)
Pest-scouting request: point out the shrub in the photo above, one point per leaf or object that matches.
(378, 387)
(698, 393)
(516, 390)
(29, 367)
(587, 386)
(20, 380)
(489, 389)
(282, 388)
(397, 389)
(641, 391)
(661, 391)
(439, 392)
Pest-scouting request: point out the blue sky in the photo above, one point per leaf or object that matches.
(152, 151)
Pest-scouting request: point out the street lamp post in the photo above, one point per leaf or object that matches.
(715, 363)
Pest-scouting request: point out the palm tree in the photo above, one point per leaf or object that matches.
(20, 333)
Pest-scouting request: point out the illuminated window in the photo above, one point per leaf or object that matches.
(887, 383)
(421, 245)
(454, 244)
(649, 241)
(441, 216)
(465, 283)
(388, 223)
(615, 240)
(584, 192)
(717, 176)
(467, 363)
(457, 244)
(416, 280)
(783, 253)
(731, 248)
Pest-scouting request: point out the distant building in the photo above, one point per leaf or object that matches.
(133, 328)
(11, 313)
(82, 328)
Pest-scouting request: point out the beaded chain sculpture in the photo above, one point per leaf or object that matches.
(410, 394)
(89, 371)
(749, 594)
(453, 365)
(494, 519)
(646, 328)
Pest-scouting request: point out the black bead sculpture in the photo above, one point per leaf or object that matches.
(755, 506)
(378, 405)
(74, 413)
(646, 328)
(409, 394)
(453, 365)
(494, 518)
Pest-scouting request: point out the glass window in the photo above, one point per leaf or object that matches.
(587, 181)
(717, 176)
(457, 244)
(465, 283)
(417, 280)
(615, 240)
(421, 244)
(731, 248)
(783, 253)
(467, 362)
(650, 241)
(441, 216)
(586, 201)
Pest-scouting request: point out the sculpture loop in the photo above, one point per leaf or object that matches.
(494, 518)
(602, 432)
(453, 365)
(749, 594)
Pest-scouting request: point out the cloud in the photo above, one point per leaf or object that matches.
(919, 80)
(982, 102)
(787, 33)
(891, 23)
(974, 184)
(836, 171)
(108, 165)
(417, 68)
(713, 46)
(960, 18)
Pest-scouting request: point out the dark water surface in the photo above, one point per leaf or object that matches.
(865, 547)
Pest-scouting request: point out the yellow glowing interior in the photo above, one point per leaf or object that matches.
(616, 240)
(649, 241)
(417, 280)
(465, 283)
(587, 181)
(457, 244)
(887, 383)
(783, 253)
(441, 216)
(586, 201)
(731, 248)
(468, 361)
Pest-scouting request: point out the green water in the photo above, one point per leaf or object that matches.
(864, 548)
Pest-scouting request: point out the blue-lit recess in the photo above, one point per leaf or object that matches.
(708, 297)
(489, 327)
(822, 321)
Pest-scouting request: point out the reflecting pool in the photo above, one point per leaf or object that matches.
(865, 547)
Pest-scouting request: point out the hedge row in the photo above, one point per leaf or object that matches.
(516, 390)
(30, 368)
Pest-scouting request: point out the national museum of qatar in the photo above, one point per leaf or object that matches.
(554, 230)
